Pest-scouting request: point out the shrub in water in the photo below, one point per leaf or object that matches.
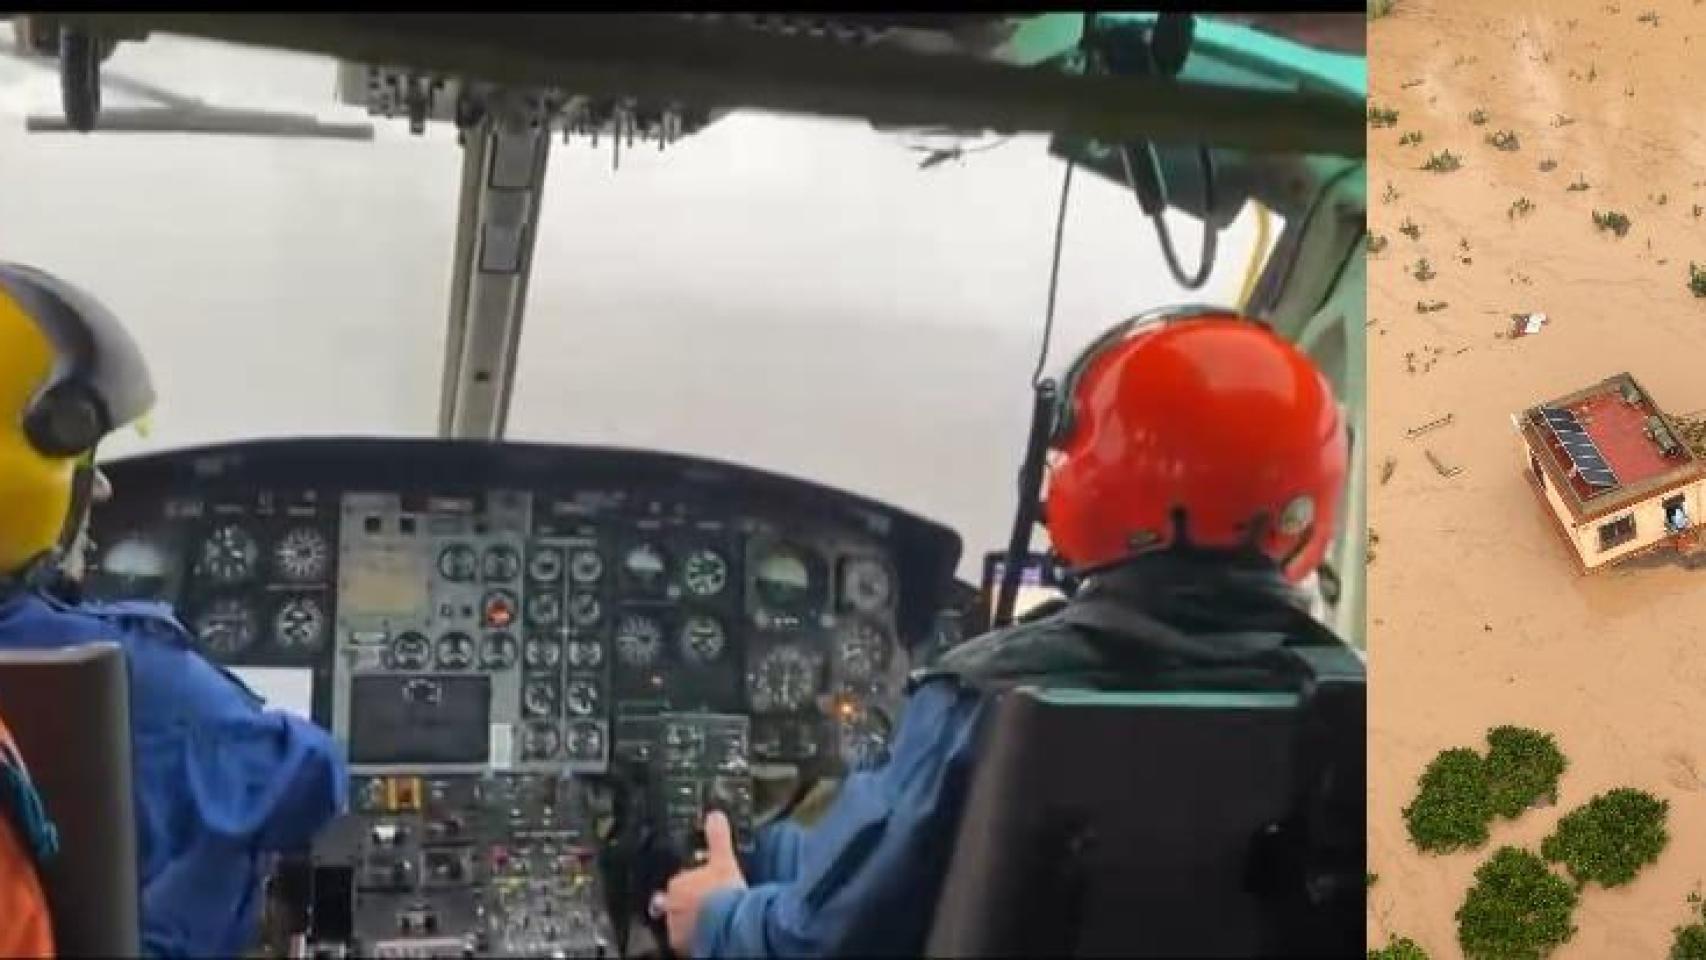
(1517, 909)
(1611, 837)
(1522, 767)
(1399, 948)
(1452, 806)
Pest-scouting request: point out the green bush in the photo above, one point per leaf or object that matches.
(1399, 948)
(1522, 767)
(1690, 943)
(1517, 909)
(1697, 279)
(1612, 220)
(1611, 837)
(1452, 806)
(1443, 162)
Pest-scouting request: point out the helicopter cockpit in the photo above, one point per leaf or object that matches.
(547, 661)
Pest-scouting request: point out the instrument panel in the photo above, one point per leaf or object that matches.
(479, 619)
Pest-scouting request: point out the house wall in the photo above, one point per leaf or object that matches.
(1649, 525)
(1649, 518)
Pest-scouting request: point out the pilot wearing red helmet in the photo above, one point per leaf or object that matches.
(1196, 472)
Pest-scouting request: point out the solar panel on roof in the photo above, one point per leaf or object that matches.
(1600, 478)
(1585, 456)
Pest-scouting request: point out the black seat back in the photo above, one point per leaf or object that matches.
(69, 711)
(1165, 824)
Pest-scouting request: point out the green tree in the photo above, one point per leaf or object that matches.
(1611, 837)
(1522, 767)
(1452, 806)
(1517, 909)
(1399, 948)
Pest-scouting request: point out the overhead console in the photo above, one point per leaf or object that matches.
(521, 645)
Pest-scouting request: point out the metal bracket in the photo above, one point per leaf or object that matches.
(1319, 300)
(503, 176)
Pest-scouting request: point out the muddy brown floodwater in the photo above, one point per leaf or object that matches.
(1477, 615)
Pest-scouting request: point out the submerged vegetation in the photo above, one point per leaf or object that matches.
(1382, 116)
(1453, 805)
(1517, 909)
(1504, 140)
(1697, 279)
(1399, 948)
(1443, 162)
(1690, 942)
(1612, 220)
(1611, 838)
(1522, 767)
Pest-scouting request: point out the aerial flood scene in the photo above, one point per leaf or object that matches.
(1538, 581)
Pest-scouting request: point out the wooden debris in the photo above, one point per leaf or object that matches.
(1441, 468)
(1387, 469)
(1431, 425)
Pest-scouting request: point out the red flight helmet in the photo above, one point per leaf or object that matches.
(1195, 422)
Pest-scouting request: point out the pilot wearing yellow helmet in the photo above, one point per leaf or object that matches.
(221, 782)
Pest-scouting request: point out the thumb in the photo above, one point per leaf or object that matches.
(719, 840)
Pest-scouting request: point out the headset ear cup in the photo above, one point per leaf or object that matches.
(64, 422)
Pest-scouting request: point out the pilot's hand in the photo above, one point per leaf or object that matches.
(688, 889)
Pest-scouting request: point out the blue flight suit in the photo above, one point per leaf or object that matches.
(220, 782)
(864, 880)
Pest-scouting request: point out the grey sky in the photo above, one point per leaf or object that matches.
(795, 294)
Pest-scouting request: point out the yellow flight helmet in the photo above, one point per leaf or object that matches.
(69, 375)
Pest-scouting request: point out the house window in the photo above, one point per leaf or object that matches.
(1539, 472)
(1676, 514)
(1617, 532)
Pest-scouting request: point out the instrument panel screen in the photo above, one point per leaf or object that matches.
(420, 720)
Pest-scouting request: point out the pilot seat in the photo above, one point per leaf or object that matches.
(69, 711)
(1168, 823)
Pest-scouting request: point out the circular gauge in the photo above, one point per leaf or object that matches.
(226, 627)
(542, 653)
(646, 567)
(539, 698)
(864, 651)
(585, 654)
(458, 562)
(410, 651)
(300, 624)
(455, 651)
(705, 573)
(584, 609)
(228, 554)
(638, 640)
(301, 554)
(544, 609)
(497, 651)
(497, 610)
(500, 563)
(540, 741)
(784, 681)
(586, 740)
(864, 735)
(547, 564)
(783, 580)
(867, 585)
(585, 566)
(702, 638)
(581, 698)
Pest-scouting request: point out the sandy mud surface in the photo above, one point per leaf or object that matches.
(1477, 615)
